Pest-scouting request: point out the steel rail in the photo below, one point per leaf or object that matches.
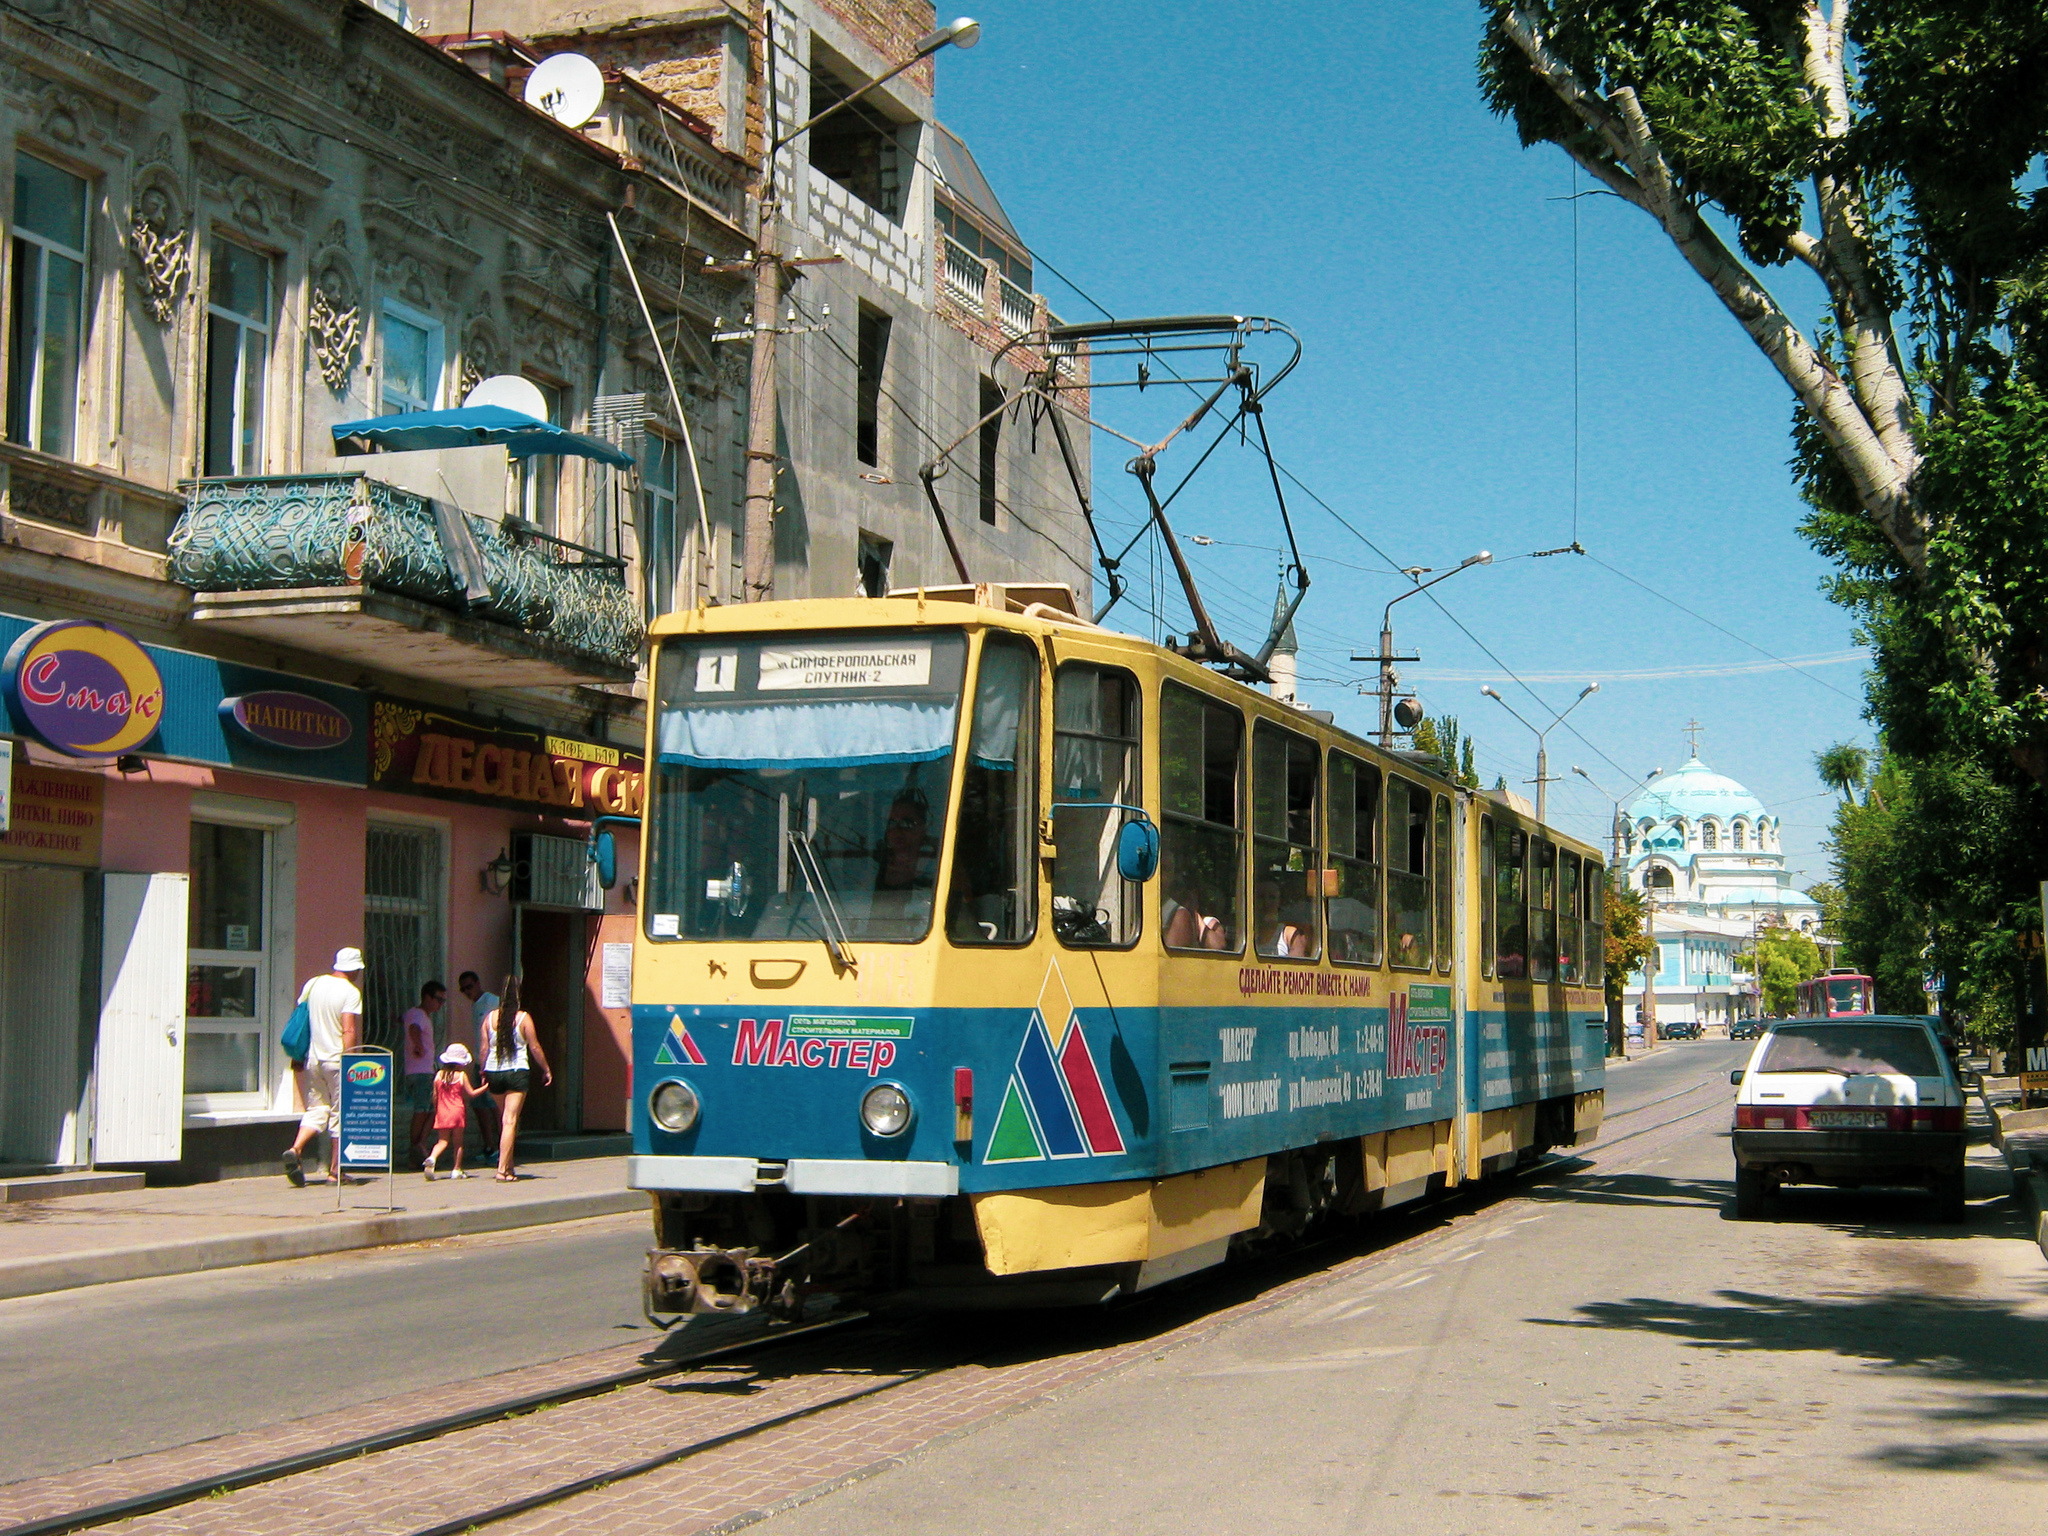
(387, 1440)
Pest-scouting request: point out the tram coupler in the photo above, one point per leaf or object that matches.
(694, 1282)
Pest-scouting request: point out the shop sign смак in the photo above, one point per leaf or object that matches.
(453, 756)
(84, 688)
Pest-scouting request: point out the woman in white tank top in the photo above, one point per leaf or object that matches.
(507, 1073)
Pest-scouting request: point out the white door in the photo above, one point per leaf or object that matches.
(140, 1109)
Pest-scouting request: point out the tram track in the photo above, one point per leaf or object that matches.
(1210, 1299)
(299, 1463)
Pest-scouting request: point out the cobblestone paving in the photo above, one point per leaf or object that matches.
(915, 1384)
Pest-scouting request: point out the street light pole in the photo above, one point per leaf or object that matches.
(1386, 657)
(767, 263)
(1542, 749)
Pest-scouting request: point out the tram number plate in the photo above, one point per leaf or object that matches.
(1847, 1119)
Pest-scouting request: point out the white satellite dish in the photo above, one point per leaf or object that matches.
(513, 393)
(568, 87)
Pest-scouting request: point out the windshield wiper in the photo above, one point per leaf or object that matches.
(828, 912)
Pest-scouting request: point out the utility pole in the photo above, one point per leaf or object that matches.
(1617, 874)
(1543, 779)
(1386, 658)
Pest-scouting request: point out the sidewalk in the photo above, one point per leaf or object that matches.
(55, 1245)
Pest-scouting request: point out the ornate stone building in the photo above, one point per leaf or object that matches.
(266, 698)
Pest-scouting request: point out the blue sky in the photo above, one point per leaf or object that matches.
(1335, 167)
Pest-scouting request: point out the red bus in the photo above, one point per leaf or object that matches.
(1837, 993)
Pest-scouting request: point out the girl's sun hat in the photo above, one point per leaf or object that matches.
(455, 1056)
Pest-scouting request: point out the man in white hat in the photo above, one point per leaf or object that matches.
(335, 1005)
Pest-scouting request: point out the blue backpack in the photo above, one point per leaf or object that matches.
(297, 1038)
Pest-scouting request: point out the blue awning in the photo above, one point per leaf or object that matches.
(473, 426)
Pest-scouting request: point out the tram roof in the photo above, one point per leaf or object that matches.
(994, 607)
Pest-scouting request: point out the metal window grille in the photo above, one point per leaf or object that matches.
(402, 925)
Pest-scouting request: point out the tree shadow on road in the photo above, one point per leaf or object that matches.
(1940, 1341)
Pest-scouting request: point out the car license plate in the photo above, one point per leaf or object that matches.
(1847, 1119)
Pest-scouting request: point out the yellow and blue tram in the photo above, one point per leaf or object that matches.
(992, 955)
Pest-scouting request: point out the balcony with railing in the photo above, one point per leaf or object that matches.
(345, 565)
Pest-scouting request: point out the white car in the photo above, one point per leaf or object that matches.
(1849, 1101)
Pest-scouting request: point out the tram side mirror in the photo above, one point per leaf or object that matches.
(604, 853)
(1137, 851)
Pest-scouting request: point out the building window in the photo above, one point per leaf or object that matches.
(991, 447)
(237, 358)
(658, 552)
(870, 361)
(964, 231)
(404, 895)
(858, 146)
(48, 340)
(1741, 837)
(875, 557)
(540, 477)
(408, 361)
(227, 978)
(1710, 836)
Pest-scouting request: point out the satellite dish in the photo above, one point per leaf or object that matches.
(513, 393)
(568, 87)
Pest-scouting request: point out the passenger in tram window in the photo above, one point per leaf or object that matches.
(1184, 923)
(1272, 930)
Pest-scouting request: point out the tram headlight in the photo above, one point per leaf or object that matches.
(673, 1105)
(885, 1109)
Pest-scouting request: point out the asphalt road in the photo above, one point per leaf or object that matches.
(1606, 1350)
(112, 1370)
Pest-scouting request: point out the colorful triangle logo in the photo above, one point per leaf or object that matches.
(1054, 1104)
(677, 1048)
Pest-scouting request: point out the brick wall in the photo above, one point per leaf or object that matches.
(890, 27)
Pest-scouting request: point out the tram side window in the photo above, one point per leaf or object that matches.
(995, 881)
(1443, 883)
(1094, 760)
(1352, 911)
(1542, 910)
(1408, 908)
(1511, 901)
(1570, 944)
(1284, 774)
(1488, 956)
(1201, 858)
(1594, 946)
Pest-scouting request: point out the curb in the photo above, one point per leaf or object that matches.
(2037, 1196)
(63, 1272)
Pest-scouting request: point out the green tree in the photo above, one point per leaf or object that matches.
(1442, 740)
(1890, 150)
(1629, 944)
(1844, 768)
(1782, 959)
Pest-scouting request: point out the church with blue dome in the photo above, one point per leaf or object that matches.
(1706, 852)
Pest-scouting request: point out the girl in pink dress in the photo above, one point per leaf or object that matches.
(452, 1093)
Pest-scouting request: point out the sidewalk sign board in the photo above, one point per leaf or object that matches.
(365, 1133)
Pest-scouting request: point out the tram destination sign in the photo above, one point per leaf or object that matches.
(876, 664)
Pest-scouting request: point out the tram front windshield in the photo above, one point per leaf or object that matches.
(797, 775)
(1846, 995)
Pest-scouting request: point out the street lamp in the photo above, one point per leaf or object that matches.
(767, 264)
(1542, 752)
(1653, 773)
(1386, 657)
